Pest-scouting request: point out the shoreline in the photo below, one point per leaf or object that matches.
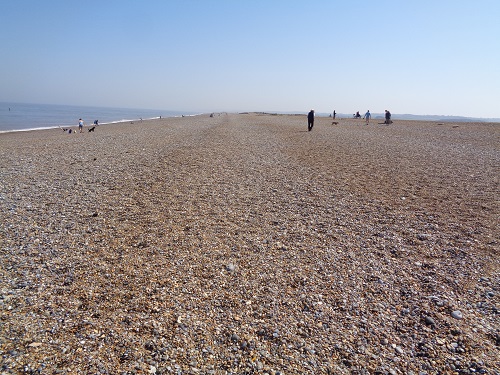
(23, 116)
(90, 125)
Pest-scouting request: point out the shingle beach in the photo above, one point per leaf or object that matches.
(244, 244)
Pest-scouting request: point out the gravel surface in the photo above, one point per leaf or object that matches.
(243, 244)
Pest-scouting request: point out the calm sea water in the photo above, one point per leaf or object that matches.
(22, 116)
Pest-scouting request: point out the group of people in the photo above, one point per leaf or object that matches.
(367, 116)
(80, 127)
(81, 123)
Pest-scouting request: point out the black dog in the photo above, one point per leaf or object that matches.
(92, 129)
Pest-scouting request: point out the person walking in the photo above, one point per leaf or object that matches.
(310, 120)
(80, 125)
(367, 117)
(334, 114)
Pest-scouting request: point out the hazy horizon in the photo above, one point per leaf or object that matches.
(9, 105)
(423, 57)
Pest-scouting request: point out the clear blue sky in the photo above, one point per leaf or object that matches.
(437, 57)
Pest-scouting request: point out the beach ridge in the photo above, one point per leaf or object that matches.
(242, 243)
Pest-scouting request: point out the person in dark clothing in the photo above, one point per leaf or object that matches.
(388, 117)
(310, 120)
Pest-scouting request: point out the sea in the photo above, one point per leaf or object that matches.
(24, 116)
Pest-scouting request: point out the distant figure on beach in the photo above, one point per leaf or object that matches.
(80, 125)
(96, 122)
(357, 115)
(334, 114)
(310, 120)
(367, 117)
(388, 117)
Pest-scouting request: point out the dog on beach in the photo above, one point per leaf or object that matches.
(335, 123)
(92, 129)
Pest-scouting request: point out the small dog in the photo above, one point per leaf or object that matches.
(92, 129)
(335, 123)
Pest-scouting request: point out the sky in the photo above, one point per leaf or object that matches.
(425, 57)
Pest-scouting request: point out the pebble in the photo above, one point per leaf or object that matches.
(429, 321)
(235, 337)
(231, 267)
(457, 314)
